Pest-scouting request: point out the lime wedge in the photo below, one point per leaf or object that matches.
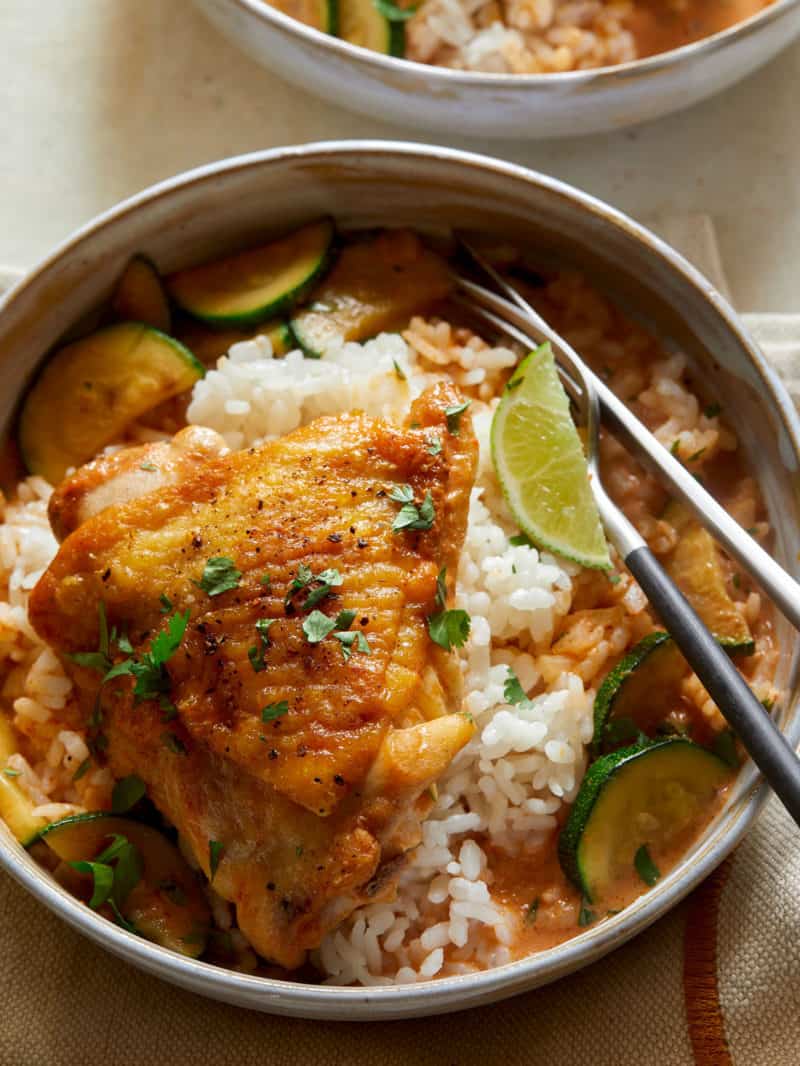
(540, 463)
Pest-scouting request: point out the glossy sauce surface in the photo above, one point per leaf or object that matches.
(660, 26)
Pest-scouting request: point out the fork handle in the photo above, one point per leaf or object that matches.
(726, 686)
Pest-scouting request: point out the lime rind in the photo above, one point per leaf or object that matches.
(541, 466)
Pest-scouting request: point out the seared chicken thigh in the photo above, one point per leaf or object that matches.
(298, 755)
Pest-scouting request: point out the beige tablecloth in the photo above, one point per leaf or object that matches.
(714, 983)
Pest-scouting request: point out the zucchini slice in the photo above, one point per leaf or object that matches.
(255, 285)
(650, 794)
(209, 344)
(92, 389)
(140, 296)
(376, 285)
(643, 688)
(695, 566)
(361, 23)
(319, 14)
(167, 904)
(16, 809)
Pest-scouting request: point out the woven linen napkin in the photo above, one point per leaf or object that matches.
(714, 983)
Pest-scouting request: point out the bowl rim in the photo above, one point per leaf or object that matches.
(455, 992)
(604, 77)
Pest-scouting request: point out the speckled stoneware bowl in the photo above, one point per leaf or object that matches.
(503, 105)
(213, 209)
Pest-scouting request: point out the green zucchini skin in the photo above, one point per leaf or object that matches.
(614, 683)
(606, 772)
(200, 291)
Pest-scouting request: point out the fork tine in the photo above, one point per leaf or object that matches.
(503, 326)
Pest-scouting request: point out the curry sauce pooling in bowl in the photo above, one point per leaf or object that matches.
(285, 685)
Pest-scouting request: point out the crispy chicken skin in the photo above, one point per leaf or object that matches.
(313, 808)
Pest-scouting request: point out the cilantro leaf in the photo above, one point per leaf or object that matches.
(449, 629)
(102, 878)
(166, 603)
(302, 578)
(127, 793)
(401, 374)
(219, 575)
(317, 626)
(345, 618)
(266, 581)
(645, 867)
(328, 579)
(513, 692)
(274, 710)
(520, 540)
(256, 654)
(92, 660)
(215, 849)
(11, 772)
(434, 446)
(453, 416)
(393, 13)
(353, 639)
(441, 588)
(402, 494)
(415, 517)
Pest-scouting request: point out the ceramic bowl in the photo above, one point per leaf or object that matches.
(218, 207)
(515, 106)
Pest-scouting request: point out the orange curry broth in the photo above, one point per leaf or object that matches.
(661, 25)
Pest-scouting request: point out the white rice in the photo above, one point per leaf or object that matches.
(524, 763)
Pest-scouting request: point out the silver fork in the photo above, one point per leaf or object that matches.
(755, 728)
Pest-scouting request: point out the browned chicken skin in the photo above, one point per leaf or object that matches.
(313, 807)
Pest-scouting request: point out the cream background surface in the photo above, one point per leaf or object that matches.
(99, 98)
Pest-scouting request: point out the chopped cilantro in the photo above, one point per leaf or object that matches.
(102, 878)
(696, 455)
(147, 466)
(441, 588)
(215, 849)
(399, 371)
(274, 710)
(675, 447)
(453, 416)
(531, 912)
(266, 581)
(256, 653)
(412, 516)
(614, 579)
(513, 692)
(392, 13)
(127, 793)
(585, 916)
(645, 867)
(302, 578)
(327, 579)
(351, 639)
(174, 743)
(449, 629)
(344, 619)
(219, 575)
(10, 772)
(434, 446)
(401, 494)
(152, 679)
(166, 603)
(317, 626)
(124, 644)
(520, 540)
